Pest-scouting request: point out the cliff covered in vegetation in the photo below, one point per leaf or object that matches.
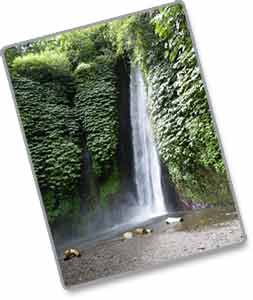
(72, 93)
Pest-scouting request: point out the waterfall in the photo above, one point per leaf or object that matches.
(146, 161)
(134, 206)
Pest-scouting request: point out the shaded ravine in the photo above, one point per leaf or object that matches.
(145, 193)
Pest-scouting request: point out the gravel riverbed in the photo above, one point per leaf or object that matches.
(199, 232)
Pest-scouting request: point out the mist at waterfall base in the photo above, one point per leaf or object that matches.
(146, 196)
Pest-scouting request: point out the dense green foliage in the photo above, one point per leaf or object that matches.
(62, 104)
(161, 43)
(49, 67)
(110, 186)
(10, 54)
(44, 66)
(179, 107)
(83, 46)
(67, 94)
(51, 132)
(96, 102)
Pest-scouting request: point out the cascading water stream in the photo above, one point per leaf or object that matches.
(146, 161)
(134, 207)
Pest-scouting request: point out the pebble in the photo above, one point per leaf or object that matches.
(128, 235)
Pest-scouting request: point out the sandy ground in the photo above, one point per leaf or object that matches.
(198, 233)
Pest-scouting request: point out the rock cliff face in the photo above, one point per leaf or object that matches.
(125, 151)
(170, 194)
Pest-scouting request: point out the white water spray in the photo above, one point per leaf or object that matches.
(146, 161)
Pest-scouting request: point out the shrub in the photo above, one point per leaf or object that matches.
(44, 66)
